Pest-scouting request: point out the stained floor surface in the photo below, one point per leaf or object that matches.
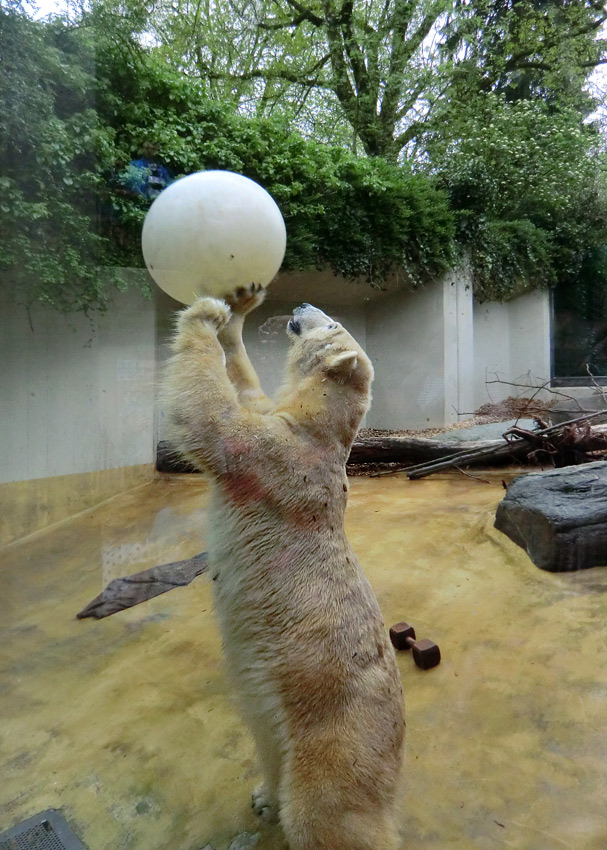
(126, 724)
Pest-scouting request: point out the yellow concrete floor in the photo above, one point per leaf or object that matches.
(126, 724)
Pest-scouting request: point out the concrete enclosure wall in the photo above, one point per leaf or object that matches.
(406, 344)
(511, 347)
(78, 397)
(421, 346)
(433, 349)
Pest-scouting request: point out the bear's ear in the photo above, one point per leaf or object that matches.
(341, 364)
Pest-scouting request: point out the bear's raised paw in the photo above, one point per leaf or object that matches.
(211, 310)
(246, 298)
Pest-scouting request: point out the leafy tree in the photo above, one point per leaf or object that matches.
(382, 67)
(528, 49)
(527, 187)
(360, 64)
(53, 153)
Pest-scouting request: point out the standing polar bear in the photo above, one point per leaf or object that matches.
(313, 669)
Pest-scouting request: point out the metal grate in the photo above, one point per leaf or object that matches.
(45, 831)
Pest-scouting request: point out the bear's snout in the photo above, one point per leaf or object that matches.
(307, 318)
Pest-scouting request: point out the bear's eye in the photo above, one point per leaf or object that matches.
(331, 327)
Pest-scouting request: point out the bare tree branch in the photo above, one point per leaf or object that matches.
(307, 14)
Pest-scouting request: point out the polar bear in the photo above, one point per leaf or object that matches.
(312, 666)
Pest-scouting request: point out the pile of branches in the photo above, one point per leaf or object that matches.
(565, 445)
(568, 443)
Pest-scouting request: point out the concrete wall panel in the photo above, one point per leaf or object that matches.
(406, 344)
(458, 332)
(76, 394)
(511, 347)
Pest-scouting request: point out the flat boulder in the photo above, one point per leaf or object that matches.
(487, 431)
(559, 517)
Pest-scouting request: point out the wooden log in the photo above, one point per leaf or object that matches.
(411, 450)
(381, 449)
(519, 445)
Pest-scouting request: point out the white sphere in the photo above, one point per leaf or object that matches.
(210, 233)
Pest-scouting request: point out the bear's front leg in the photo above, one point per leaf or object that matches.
(203, 320)
(239, 367)
(200, 400)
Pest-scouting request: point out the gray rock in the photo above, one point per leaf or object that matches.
(559, 517)
(490, 431)
(245, 841)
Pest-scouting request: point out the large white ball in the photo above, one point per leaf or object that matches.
(210, 233)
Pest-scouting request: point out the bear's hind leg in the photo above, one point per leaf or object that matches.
(324, 810)
(265, 798)
(323, 829)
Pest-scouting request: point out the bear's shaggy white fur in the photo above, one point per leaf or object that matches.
(313, 669)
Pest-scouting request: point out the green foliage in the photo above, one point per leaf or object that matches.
(372, 73)
(528, 196)
(359, 216)
(515, 182)
(53, 153)
(525, 49)
(70, 133)
(384, 217)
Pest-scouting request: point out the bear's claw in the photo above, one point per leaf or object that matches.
(246, 298)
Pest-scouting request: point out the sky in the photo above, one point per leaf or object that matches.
(42, 8)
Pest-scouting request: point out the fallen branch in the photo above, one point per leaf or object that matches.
(520, 445)
(501, 450)
(406, 450)
(365, 450)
